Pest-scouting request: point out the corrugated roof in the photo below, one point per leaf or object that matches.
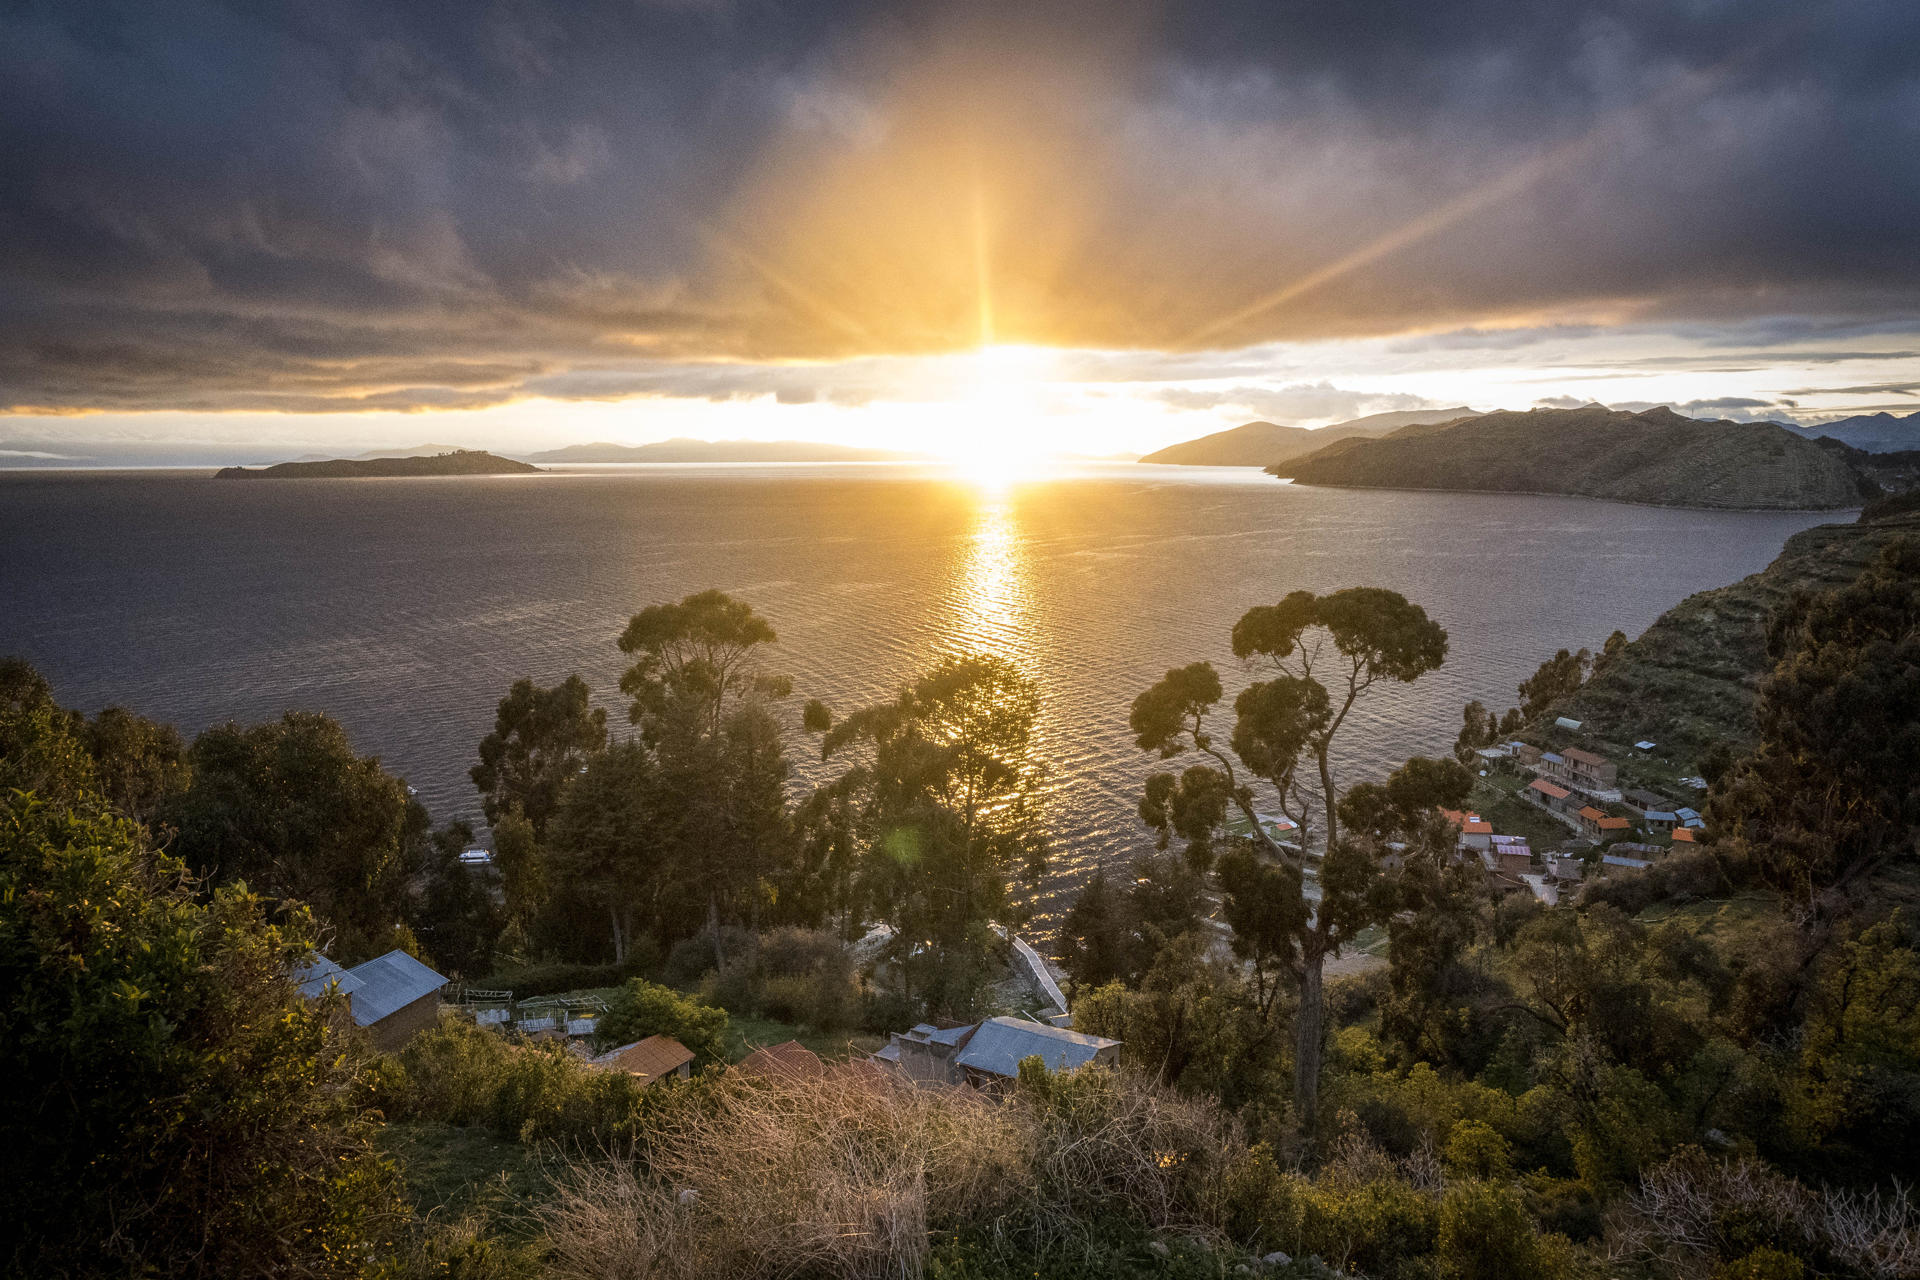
(313, 979)
(1589, 812)
(1583, 757)
(652, 1058)
(1683, 835)
(388, 984)
(1546, 788)
(790, 1059)
(999, 1044)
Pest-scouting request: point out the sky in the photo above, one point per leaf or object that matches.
(229, 229)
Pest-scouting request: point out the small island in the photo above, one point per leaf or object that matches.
(460, 462)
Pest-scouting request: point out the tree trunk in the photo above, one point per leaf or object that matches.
(619, 935)
(713, 931)
(1309, 1027)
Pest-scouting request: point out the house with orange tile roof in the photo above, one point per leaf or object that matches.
(1550, 795)
(1601, 825)
(1475, 832)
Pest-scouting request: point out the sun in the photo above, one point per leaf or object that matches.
(999, 430)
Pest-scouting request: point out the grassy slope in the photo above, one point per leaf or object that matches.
(1689, 680)
(1655, 457)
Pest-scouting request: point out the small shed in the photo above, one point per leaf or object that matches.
(396, 999)
(654, 1058)
(393, 996)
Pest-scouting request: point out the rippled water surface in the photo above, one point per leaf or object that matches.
(405, 607)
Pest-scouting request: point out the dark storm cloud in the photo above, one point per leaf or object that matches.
(369, 204)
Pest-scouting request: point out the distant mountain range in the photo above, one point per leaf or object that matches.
(1870, 432)
(1261, 444)
(417, 451)
(459, 462)
(1656, 457)
(685, 450)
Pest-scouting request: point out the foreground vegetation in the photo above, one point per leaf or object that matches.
(1709, 1069)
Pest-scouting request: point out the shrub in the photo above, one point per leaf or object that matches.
(173, 1106)
(1762, 1264)
(461, 1074)
(738, 990)
(1485, 1234)
(1362, 1217)
(645, 1009)
(885, 1011)
(691, 958)
(1474, 1150)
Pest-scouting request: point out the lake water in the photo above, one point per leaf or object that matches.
(406, 607)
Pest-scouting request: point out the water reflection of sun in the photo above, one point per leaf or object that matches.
(992, 588)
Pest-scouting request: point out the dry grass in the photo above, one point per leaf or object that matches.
(771, 1179)
(1680, 1218)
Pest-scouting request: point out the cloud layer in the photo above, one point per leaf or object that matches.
(368, 205)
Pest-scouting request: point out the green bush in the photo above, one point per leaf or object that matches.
(1485, 1234)
(1762, 1264)
(461, 1074)
(173, 1106)
(645, 1009)
(1474, 1150)
(1384, 1227)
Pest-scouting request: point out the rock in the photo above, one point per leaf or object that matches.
(1277, 1259)
(1158, 1248)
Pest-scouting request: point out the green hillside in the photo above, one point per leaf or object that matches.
(1655, 457)
(1689, 680)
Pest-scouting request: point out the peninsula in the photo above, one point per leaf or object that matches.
(461, 462)
(1656, 457)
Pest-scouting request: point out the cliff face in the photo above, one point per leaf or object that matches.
(1690, 679)
(1655, 457)
(465, 462)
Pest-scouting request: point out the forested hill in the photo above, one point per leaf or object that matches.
(1689, 681)
(463, 462)
(1656, 457)
(1261, 444)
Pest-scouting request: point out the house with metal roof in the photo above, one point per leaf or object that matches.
(988, 1054)
(393, 996)
(655, 1058)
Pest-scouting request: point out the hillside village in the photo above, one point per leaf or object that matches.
(1608, 829)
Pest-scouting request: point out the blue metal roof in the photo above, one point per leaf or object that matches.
(314, 979)
(999, 1044)
(388, 984)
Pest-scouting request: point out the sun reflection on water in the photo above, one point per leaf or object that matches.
(992, 592)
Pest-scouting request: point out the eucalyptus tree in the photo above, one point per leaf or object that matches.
(700, 694)
(1321, 656)
(942, 798)
(541, 739)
